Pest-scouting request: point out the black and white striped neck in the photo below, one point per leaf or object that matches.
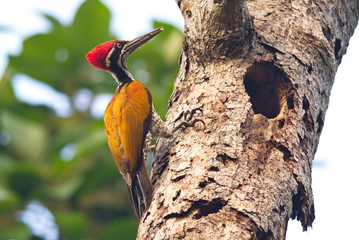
(118, 69)
(122, 75)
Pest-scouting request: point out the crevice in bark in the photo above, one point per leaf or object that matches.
(305, 216)
(310, 69)
(270, 48)
(327, 33)
(204, 208)
(307, 117)
(287, 155)
(178, 193)
(179, 178)
(320, 121)
(222, 157)
(203, 184)
(200, 208)
(262, 235)
(179, 3)
(178, 215)
(290, 101)
(281, 123)
(308, 120)
(256, 231)
(211, 179)
(267, 87)
(305, 104)
(297, 201)
(214, 169)
(337, 48)
(299, 60)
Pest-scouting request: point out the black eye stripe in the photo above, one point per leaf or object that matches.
(118, 45)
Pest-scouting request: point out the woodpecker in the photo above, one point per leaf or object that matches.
(130, 116)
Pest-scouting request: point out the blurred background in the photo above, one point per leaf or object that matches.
(57, 176)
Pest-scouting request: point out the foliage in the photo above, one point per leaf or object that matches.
(64, 161)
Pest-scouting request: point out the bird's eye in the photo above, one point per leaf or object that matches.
(118, 45)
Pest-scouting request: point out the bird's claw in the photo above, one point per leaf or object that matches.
(187, 116)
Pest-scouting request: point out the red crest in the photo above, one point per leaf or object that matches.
(97, 56)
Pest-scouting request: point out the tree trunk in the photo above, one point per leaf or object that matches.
(262, 76)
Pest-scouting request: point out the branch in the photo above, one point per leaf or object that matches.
(216, 29)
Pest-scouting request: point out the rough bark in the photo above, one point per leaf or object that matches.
(262, 76)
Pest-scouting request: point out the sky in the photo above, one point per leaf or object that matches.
(336, 164)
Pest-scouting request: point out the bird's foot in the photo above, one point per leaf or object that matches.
(188, 120)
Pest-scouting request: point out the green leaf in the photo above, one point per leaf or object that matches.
(7, 95)
(58, 57)
(7, 163)
(15, 231)
(9, 201)
(100, 176)
(91, 25)
(73, 225)
(54, 22)
(63, 191)
(25, 179)
(122, 229)
(91, 141)
(28, 138)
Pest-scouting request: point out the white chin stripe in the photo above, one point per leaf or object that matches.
(108, 57)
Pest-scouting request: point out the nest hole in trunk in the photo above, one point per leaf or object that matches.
(269, 90)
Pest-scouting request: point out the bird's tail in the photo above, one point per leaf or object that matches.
(140, 192)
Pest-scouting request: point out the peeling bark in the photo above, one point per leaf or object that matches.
(262, 76)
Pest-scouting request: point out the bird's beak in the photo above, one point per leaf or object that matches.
(131, 46)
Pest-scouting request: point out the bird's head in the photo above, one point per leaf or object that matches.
(112, 56)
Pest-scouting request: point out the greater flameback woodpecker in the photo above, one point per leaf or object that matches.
(130, 116)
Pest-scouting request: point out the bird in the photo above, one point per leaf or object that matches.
(130, 117)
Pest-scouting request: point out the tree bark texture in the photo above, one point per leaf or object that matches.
(262, 72)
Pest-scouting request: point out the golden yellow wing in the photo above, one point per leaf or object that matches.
(127, 119)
